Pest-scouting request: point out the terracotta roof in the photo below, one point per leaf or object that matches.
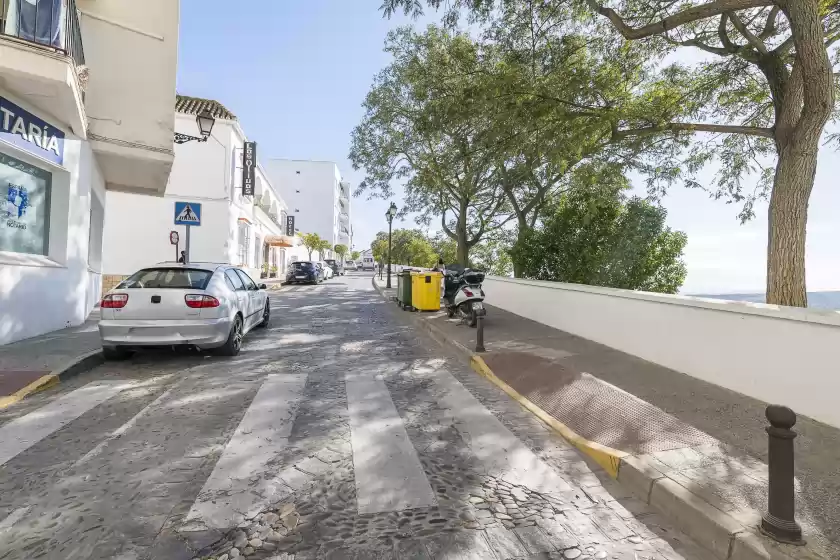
(195, 105)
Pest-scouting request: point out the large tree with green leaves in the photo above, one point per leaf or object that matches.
(600, 238)
(427, 127)
(764, 90)
(340, 250)
(312, 242)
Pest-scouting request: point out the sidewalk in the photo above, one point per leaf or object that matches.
(710, 440)
(38, 362)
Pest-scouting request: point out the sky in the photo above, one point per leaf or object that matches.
(296, 73)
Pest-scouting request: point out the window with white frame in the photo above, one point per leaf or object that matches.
(244, 242)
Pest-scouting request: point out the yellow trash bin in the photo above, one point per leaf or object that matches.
(425, 290)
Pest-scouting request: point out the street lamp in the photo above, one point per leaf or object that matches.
(389, 215)
(205, 123)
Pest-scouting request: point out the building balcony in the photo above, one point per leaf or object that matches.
(42, 60)
(344, 217)
(131, 49)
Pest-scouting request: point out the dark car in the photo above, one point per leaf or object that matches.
(338, 268)
(305, 272)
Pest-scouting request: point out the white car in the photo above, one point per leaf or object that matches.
(328, 271)
(207, 305)
(351, 265)
(368, 263)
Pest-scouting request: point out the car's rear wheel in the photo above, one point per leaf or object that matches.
(233, 344)
(266, 315)
(115, 353)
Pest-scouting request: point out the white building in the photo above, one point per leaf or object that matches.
(246, 231)
(317, 196)
(86, 95)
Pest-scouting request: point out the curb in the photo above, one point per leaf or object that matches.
(70, 368)
(718, 532)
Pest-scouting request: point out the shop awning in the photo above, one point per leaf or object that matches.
(279, 241)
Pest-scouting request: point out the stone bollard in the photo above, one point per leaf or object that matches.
(779, 522)
(479, 334)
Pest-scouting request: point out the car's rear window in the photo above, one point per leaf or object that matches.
(302, 264)
(171, 278)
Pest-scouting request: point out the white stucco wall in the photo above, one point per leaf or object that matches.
(39, 294)
(205, 173)
(775, 354)
(131, 49)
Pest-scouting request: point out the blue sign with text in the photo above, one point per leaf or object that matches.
(187, 214)
(25, 130)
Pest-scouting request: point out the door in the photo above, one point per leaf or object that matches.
(256, 299)
(243, 298)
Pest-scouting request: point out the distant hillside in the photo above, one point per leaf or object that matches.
(817, 300)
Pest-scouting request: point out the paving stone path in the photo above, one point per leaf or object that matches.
(339, 433)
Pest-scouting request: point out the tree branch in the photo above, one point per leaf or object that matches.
(757, 43)
(770, 26)
(689, 15)
(693, 127)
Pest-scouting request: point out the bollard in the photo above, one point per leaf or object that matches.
(479, 334)
(779, 522)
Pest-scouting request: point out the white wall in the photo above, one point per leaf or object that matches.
(775, 354)
(310, 189)
(39, 294)
(131, 49)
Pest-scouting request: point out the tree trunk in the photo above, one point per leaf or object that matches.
(523, 228)
(805, 108)
(788, 216)
(463, 249)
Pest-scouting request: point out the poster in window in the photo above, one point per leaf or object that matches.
(24, 207)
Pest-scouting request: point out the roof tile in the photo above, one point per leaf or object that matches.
(195, 105)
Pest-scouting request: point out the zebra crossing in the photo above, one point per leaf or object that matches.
(246, 478)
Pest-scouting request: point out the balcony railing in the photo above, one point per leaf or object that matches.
(53, 24)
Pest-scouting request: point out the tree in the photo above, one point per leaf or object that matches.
(323, 246)
(379, 247)
(340, 250)
(425, 127)
(445, 248)
(493, 255)
(312, 242)
(355, 256)
(597, 238)
(766, 89)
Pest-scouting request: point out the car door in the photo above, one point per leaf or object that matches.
(243, 298)
(256, 299)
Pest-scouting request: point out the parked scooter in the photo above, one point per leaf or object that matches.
(463, 295)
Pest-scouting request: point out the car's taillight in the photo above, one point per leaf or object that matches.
(468, 292)
(114, 301)
(197, 301)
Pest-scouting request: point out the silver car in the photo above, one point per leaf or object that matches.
(210, 306)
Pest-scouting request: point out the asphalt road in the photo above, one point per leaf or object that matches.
(339, 432)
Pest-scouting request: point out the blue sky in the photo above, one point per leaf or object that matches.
(296, 73)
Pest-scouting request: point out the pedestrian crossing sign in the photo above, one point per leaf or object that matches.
(187, 214)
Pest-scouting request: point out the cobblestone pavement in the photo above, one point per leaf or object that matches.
(338, 433)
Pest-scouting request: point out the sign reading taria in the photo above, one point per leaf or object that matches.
(25, 130)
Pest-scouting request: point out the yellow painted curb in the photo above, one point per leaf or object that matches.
(40, 384)
(607, 457)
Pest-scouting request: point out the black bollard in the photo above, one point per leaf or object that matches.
(479, 334)
(779, 522)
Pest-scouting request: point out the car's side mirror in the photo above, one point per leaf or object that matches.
(262, 287)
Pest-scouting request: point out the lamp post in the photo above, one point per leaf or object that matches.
(389, 215)
(205, 123)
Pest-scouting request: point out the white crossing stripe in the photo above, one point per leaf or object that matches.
(389, 476)
(13, 518)
(22, 433)
(229, 495)
(128, 425)
(502, 453)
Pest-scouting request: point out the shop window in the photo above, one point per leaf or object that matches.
(24, 207)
